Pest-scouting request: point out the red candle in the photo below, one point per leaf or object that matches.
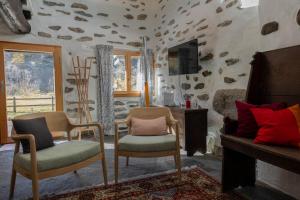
(187, 103)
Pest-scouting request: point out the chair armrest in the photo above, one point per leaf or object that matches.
(116, 136)
(95, 124)
(117, 123)
(85, 125)
(174, 122)
(124, 121)
(17, 138)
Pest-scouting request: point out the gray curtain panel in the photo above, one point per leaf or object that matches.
(147, 70)
(105, 109)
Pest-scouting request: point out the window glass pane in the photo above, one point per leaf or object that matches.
(29, 78)
(120, 83)
(249, 3)
(135, 67)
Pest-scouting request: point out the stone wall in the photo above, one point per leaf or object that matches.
(78, 26)
(227, 36)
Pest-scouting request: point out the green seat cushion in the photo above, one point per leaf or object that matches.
(147, 143)
(60, 155)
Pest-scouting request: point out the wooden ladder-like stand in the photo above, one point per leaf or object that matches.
(82, 77)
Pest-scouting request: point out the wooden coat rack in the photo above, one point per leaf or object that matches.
(82, 77)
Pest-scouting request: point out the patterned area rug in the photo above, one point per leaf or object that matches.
(195, 185)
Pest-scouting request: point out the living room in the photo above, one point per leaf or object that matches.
(172, 90)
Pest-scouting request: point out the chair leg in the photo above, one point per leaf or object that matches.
(178, 164)
(104, 170)
(116, 168)
(127, 161)
(12, 183)
(94, 131)
(35, 188)
(79, 135)
(175, 160)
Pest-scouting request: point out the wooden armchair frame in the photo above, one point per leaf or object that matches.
(56, 121)
(138, 112)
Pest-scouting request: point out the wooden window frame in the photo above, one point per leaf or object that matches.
(128, 54)
(14, 46)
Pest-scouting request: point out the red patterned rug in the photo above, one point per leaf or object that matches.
(195, 185)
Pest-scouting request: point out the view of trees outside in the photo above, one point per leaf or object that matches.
(135, 66)
(119, 73)
(29, 80)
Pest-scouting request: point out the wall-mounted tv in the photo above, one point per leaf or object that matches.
(183, 59)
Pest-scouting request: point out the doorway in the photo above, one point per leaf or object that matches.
(30, 82)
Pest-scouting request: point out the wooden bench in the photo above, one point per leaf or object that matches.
(275, 77)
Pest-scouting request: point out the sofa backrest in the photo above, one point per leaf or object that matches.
(275, 77)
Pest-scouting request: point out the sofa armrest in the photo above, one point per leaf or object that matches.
(230, 126)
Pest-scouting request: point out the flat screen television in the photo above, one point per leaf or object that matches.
(183, 59)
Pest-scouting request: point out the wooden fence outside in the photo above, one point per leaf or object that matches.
(15, 105)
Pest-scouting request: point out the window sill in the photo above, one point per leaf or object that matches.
(127, 94)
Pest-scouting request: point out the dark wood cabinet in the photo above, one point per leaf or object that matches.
(193, 128)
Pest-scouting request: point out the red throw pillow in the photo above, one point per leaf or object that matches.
(247, 125)
(278, 127)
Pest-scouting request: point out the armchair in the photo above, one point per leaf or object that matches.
(148, 146)
(56, 160)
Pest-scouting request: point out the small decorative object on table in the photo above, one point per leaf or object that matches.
(187, 103)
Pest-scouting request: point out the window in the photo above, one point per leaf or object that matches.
(249, 3)
(125, 73)
(30, 81)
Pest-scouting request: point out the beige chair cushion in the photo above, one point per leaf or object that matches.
(147, 143)
(61, 155)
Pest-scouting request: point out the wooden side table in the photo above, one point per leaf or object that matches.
(192, 128)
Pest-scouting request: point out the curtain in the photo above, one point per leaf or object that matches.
(105, 110)
(147, 71)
